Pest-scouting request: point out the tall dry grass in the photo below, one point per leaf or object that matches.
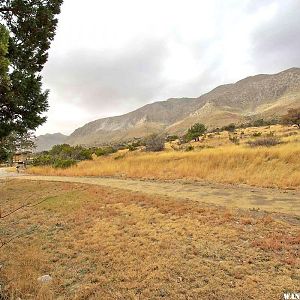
(267, 167)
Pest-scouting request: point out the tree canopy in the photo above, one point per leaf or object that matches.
(27, 28)
(195, 131)
(16, 143)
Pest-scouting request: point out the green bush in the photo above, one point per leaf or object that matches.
(64, 163)
(131, 147)
(62, 156)
(43, 160)
(84, 154)
(105, 151)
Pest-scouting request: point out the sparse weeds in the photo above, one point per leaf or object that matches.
(111, 244)
(265, 142)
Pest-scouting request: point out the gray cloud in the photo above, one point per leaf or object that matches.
(254, 5)
(105, 82)
(113, 81)
(276, 45)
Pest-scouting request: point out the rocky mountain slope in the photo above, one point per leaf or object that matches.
(47, 141)
(257, 96)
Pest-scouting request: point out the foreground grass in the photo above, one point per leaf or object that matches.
(100, 243)
(277, 166)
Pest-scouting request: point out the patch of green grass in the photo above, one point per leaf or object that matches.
(67, 202)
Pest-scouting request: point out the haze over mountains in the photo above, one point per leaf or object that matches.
(47, 141)
(260, 96)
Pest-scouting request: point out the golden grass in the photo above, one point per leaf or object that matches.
(100, 243)
(277, 166)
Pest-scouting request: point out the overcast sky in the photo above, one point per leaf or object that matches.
(112, 56)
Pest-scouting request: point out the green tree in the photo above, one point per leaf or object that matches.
(4, 62)
(14, 143)
(195, 132)
(27, 29)
(4, 76)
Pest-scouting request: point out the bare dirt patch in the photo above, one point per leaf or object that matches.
(232, 196)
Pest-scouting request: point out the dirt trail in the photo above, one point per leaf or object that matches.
(284, 201)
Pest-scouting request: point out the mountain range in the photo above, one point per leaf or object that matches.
(260, 96)
(47, 141)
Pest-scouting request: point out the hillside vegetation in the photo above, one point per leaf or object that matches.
(243, 156)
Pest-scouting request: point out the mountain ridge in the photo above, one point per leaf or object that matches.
(262, 95)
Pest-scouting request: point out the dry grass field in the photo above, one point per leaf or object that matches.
(103, 243)
(215, 158)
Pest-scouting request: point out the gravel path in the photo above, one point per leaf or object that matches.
(236, 196)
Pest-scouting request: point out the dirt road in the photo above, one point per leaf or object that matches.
(284, 201)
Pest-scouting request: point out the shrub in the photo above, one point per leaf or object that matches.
(64, 163)
(172, 138)
(189, 148)
(121, 156)
(234, 139)
(154, 143)
(131, 147)
(105, 151)
(216, 130)
(266, 142)
(256, 134)
(43, 160)
(271, 133)
(259, 123)
(292, 117)
(84, 154)
(231, 127)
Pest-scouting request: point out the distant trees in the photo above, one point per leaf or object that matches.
(104, 150)
(292, 117)
(195, 132)
(14, 143)
(62, 156)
